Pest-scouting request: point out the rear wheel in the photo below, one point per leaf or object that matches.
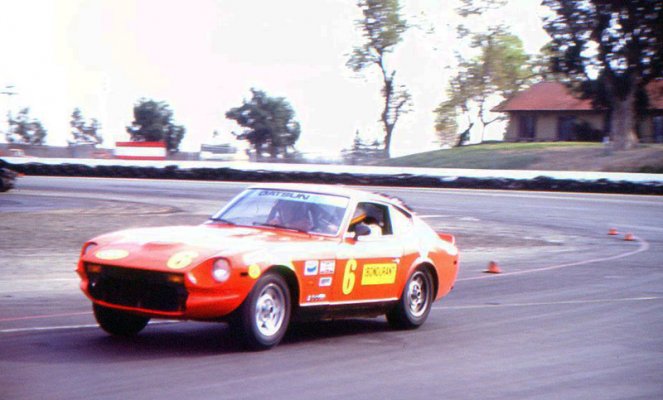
(265, 314)
(119, 323)
(415, 303)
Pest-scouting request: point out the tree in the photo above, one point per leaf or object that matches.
(494, 66)
(609, 50)
(153, 122)
(501, 68)
(269, 122)
(470, 8)
(84, 132)
(26, 130)
(360, 152)
(382, 28)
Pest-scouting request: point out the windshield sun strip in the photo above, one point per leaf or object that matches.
(219, 216)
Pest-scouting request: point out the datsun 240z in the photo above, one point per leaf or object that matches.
(274, 253)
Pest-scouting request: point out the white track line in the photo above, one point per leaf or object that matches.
(48, 328)
(551, 303)
(45, 316)
(65, 327)
(643, 246)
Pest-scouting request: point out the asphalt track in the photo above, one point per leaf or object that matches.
(577, 314)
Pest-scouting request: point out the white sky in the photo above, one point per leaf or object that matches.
(203, 56)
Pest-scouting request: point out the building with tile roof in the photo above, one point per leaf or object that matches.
(548, 111)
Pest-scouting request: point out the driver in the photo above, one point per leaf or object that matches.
(291, 214)
(361, 217)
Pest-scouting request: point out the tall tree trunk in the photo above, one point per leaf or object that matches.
(622, 123)
(387, 140)
(387, 92)
(258, 147)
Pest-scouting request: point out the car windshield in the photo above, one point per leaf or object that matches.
(286, 209)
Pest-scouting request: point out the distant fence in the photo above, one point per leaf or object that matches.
(75, 151)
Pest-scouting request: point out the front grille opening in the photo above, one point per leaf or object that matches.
(137, 288)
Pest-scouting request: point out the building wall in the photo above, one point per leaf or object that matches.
(511, 133)
(646, 128)
(547, 123)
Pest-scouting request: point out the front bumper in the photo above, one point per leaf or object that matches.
(155, 294)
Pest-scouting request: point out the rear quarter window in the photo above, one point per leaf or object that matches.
(402, 224)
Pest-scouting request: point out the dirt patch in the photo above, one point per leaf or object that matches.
(473, 235)
(47, 243)
(59, 229)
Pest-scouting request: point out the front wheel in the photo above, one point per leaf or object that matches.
(265, 314)
(119, 323)
(414, 305)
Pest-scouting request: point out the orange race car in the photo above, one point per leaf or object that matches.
(272, 254)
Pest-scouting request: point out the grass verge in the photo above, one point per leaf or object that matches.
(560, 156)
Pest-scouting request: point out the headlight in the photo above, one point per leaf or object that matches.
(221, 270)
(88, 247)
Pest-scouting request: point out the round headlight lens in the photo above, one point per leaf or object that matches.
(221, 270)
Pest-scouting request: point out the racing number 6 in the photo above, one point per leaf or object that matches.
(349, 276)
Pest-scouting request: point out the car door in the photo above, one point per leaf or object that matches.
(368, 266)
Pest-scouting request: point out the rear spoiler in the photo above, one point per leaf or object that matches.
(447, 237)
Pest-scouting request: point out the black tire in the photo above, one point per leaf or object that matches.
(415, 303)
(262, 320)
(119, 323)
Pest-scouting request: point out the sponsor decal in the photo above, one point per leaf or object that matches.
(325, 281)
(311, 267)
(254, 271)
(285, 195)
(181, 259)
(330, 200)
(111, 254)
(379, 274)
(327, 267)
(316, 297)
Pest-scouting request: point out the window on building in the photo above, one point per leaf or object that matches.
(657, 129)
(566, 128)
(527, 127)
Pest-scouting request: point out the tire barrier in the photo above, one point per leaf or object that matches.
(540, 183)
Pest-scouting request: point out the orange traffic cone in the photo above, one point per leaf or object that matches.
(629, 237)
(493, 268)
(612, 232)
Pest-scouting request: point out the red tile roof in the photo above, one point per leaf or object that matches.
(554, 96)
(545, 96)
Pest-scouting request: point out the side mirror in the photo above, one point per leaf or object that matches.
(362, 230)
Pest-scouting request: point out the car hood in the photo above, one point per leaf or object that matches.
(184, 247)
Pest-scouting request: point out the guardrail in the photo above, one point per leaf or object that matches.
(570, 181)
